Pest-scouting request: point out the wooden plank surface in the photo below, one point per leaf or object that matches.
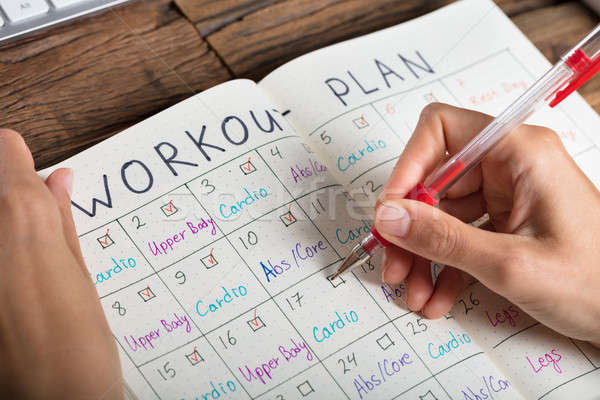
(83, 82)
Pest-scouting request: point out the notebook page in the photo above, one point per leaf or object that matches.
(213, 273)
(206, 264)
(365, 99)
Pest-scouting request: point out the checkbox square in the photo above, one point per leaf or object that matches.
(169, 209)
(105, 241)
(360, 123)
(194, 357)
(428, 396)
(336, 282)
(247, 167)
(287, 218)
(385, 342)
(146, 294)
(305, 388)
(256, 323)
(209, 261)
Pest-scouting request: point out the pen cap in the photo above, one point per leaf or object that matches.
(583, 60)
(589, 45)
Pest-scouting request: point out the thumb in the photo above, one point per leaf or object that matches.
(431, 233)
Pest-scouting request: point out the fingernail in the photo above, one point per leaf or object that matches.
(392, 220)
(68, 181)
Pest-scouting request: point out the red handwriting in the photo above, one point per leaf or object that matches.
(549, 359)
(249, 166)
(493, 94)
(194, 358)
(147, 292)
(484, 98)
(212, 258)
(510, 86)
(105, 241)
(289, 215)
(255, 321)
(170, 209)
(508, 315)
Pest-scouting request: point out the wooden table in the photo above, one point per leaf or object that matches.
(71, 88)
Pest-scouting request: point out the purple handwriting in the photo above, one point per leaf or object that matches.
(300, 254)
(146, 342)
(385, 369)
(264, 371)
(490, 386)
(163, 247)
(302, 172)
(393, 293)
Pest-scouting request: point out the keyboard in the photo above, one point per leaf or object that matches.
(23, 17)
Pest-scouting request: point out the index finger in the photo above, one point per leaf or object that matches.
(441, 129)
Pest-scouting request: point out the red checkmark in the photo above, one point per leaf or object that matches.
(147, 293)
(170, 209)
(212, 258)
(289, 215)
(105, 241)
(249, 166)
(254, 321)
(194, 358)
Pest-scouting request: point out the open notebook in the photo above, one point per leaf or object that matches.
(210, 229)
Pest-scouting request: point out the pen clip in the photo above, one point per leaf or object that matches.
(583, 69)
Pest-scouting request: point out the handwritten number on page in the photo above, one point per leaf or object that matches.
(208, 187)
(325, 137)
(418, 327)
(347, 362)
(166, 372)
(135, 219)
(229, 339)
(251, 240)
(181, 276)
(469, 304)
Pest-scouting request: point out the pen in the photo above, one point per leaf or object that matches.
(573, 69)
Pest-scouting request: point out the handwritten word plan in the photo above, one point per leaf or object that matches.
(210, 229)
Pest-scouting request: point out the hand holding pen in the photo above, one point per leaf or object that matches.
(546, 213)
(542, 248)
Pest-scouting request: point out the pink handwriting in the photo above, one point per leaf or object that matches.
(546, 361)
(508, 314)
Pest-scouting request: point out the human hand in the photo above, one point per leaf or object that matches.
(54, 338)
(543, 255)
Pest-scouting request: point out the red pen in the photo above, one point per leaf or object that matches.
(573, 69)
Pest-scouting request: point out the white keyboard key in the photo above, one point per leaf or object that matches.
(19, 10)
(65, 3)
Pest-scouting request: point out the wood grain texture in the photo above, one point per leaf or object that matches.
(515, 7)
(273, 33)
(554, 30)
(83, 82)
(86, 81)
(211, 15)
(267, 38)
